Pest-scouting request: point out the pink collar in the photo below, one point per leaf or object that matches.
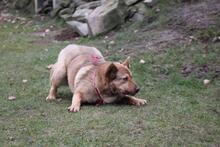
(100, 100)
(95, 59)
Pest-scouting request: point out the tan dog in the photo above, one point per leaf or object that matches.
(92, 79)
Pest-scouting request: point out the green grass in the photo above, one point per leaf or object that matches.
(181, 110)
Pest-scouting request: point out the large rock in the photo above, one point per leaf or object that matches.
(81, 28)
(107, 16)
(81, 14)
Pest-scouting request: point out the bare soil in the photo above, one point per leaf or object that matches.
(199, 15)
(200, 71)
(66, 34)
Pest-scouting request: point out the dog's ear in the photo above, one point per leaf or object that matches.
(111, 72)
(126, 62)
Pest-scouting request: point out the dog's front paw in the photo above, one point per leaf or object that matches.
(140, 102)
(73, 108)
(50, 98)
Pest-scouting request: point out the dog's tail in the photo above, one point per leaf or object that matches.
(50, 66)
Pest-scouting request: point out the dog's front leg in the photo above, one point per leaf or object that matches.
(52, 93)
(76, 102)
(134, 101)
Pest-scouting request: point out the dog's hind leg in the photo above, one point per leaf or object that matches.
(57, 77)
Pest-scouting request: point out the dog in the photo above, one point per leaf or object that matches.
(91, 79)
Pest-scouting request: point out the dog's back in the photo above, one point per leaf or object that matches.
(72, 51)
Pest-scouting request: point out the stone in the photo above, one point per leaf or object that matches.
(112, 42)
(59, 8)
(58, 5)
(11, 138)
(81, 28)
(24, 81)
(55, 11)
(66, 17)
(216, 39)
(137, 17)
(81, 14)
(11, 98)
(206, 82)
(131, 11)
(141, 12)
(141, 8)
(130, 2)
(106, 17)
(141, 61)
(90, 5)
(157, 10)
(47, 31)
(64, 3)
(66, 11)
(149, 3)
(66, 14)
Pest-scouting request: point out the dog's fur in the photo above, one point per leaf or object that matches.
(89, 80)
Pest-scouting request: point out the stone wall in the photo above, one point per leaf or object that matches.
(93, 17)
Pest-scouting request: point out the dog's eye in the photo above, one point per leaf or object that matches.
(125, 78)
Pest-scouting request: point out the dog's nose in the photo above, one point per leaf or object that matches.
(137, 89)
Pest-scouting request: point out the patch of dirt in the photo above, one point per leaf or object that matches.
(158, 39)
(55, 35)
(66, 34)
(155, 39)
(197, 15)
(200, 71)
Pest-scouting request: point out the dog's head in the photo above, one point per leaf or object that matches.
(119, 79)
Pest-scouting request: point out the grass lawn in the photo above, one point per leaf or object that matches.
(181, 110)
